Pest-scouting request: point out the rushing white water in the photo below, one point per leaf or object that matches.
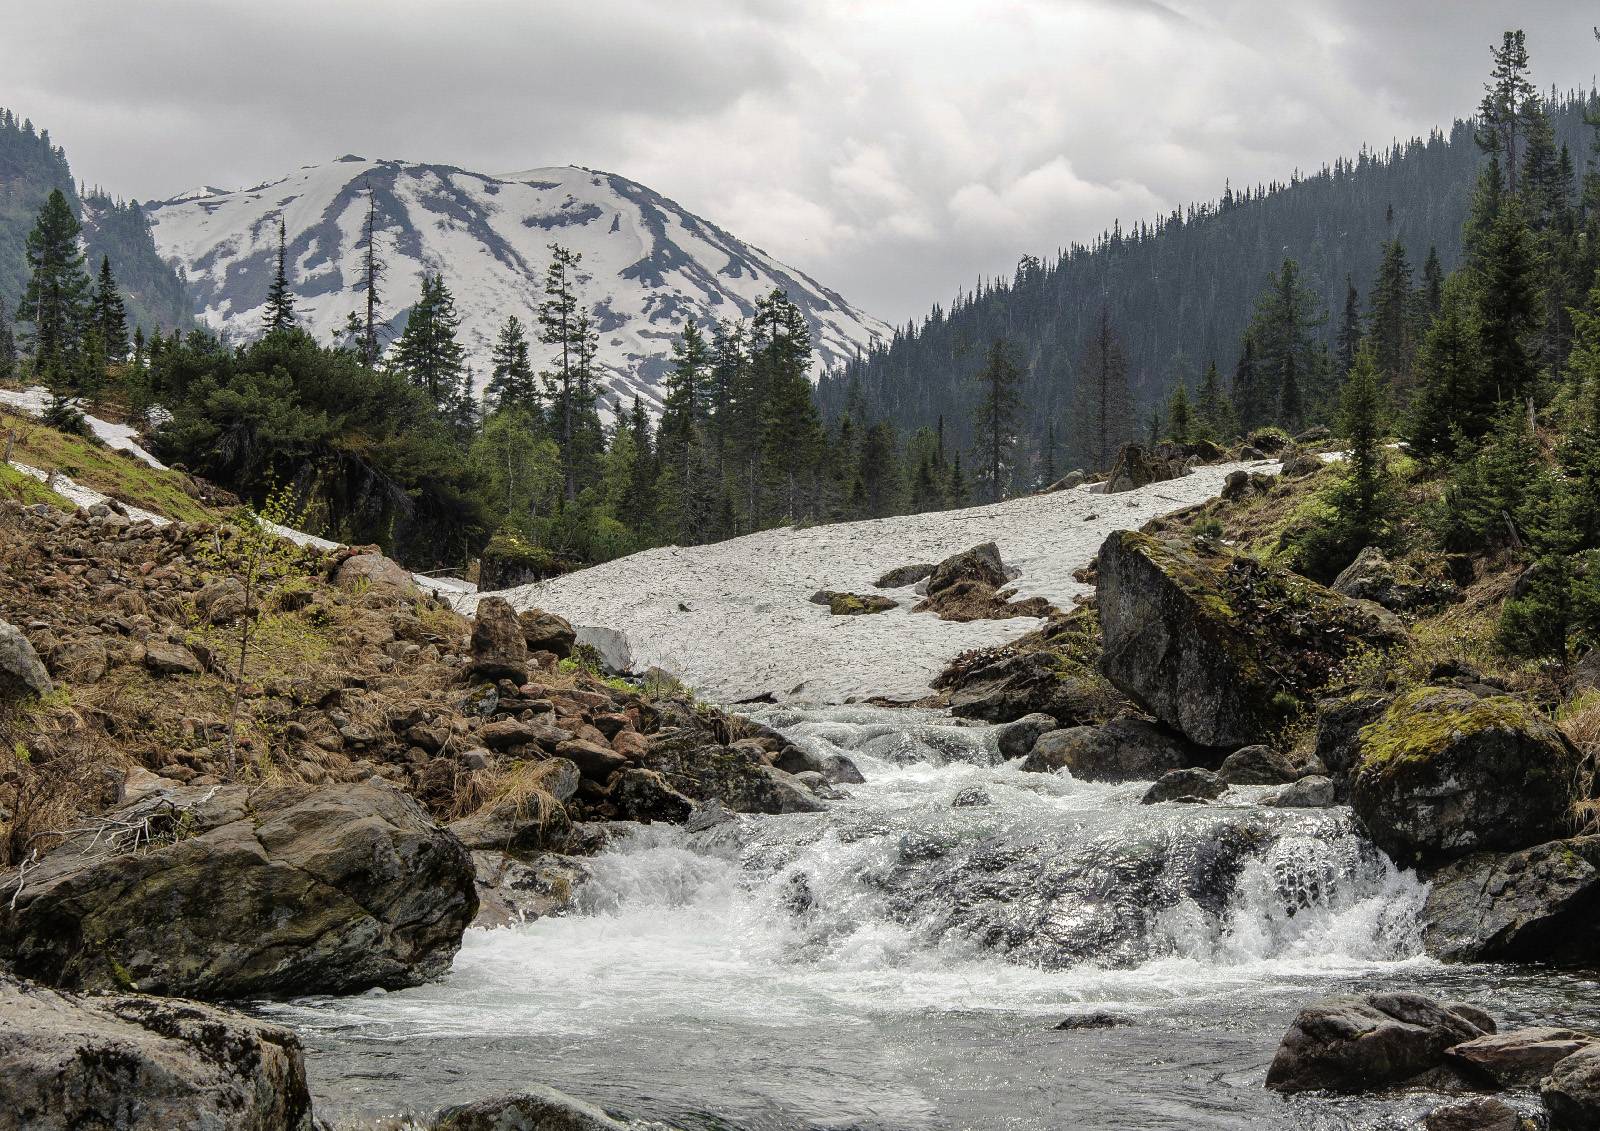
(901, 959)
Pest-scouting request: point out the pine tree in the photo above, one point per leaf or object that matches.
(791, 427)
(1001, 381)
(511, 379)
(1508, 101)
(957, 492)
(429, 353)
(1180, 417)
(372, 273)
(279, 315)
(1247, 394)
(560, 328)
(108, 315)
(8, 346)
(54, 302)
(1394, 320)
(1214, 415)
(1508, 301)
(1105, 407)
(1349, 327)
(1451, 398)
(1432, 285)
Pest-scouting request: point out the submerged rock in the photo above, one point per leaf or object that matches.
(1096, 1020)
(1444, 772)
(1192, 784)
(70, 1063)
(1217, 645)
(237, 893)
(1479, 1113)
(1360, 1044)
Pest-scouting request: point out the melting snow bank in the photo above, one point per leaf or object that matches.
(119, 436)
(733, 619)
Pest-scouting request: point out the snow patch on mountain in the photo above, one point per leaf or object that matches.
(648, 263)
(734, 619)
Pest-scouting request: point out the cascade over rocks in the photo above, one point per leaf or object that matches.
(232, 892)
(1541, 904)
(1444, 772)
(1358, 1044)
(70, 1063)
(1217, 645)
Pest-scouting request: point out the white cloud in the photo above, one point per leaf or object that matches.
(895, 149)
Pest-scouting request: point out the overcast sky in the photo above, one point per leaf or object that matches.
(894, 149)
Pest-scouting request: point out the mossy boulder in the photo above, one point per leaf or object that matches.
(1444, 772)
(510, 560)
(1218, 645)
(857, 604)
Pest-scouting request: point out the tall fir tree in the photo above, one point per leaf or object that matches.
(1349, 327)
(1509, 100)
(1451, 398)
(561, 330)
(1000, 380)
(1288, 366)
(511, 377)
(1105, 405)
(792, 436)
(279, 315)
(1393, 317)
(1180, 415)
(57, 293)
(429, 352)
(1432, 285)
(1214, 416)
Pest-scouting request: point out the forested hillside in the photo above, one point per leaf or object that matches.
(1180, 292)
(31, 165)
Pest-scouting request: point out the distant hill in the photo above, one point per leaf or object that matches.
(1181, 290)
(31, 165)
(648, 263)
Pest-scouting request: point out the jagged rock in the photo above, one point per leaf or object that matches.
(1298, 462)
(970, 798)
(696, 765)
(163, 657)
(241, 893)
(1236, 485)
(838, 769)
(1571, 1093)
(644, 795)
(134, 1063)
(1311, 792)
(1191, 784)
(547, 632)
(1099, 1019)
(536, 1109)
(21, 673)
(514, 891)
(1215, 644)
(1373, 577)
(503, 734)
(499, 648)
(1067, 482)
(1478, 1113)
(593, 760)
(1359, 1044)
(1024, 684)
(1134, 468)
(1258, 765)
(82, 661)
(1541, 904)
(1124, 749)
(981, 563)
(221, 601)
(1339, 725)
(855, 604)
(376, 570)
(902, 576)
(1520, 1056)
(1444, 772)
(1016, 739)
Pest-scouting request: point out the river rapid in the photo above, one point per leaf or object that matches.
(902, 960)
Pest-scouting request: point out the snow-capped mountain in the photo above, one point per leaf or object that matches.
(648, 264)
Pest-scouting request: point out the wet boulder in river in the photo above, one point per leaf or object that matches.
(1362, 1044)
(1541, 904)
(1124, 749)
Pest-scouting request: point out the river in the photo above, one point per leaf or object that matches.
(901, 961)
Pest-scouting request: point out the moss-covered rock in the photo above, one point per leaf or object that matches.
(1444, 772)
(856, 604)
(510, 560)
(1217, 644)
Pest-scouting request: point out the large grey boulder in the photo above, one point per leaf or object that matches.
(375, 571)
(132, 1063)
(1216, 644)
(1444, 772)
(1540, 904)
(225, 892)
(21, 672)
(499, 647)
(981, 563)
(537, 1109)
(1124, 749)
(1359, 1044)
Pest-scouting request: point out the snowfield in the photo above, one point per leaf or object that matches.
(734, 620)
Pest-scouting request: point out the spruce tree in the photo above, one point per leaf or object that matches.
(8, 345)
(57, 293)
(1394, 320)
(1001, 380)
(279, 315)
(1432, 285)
(1214, 415)
(957, 492)
(429, 353)
(1287, 364)
(1508, 301)
(1180, 417)
(511, 379)
(1508, 101)
(1451, 399)
(791, 428)
(1349, 327)
(1105, 406)
(108, 315)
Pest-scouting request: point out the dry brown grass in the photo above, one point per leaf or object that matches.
(52, 771)
(1580, 721)
(523, 786)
